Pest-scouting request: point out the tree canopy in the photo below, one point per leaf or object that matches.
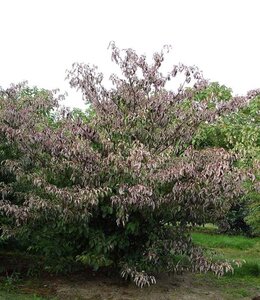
(121, 187)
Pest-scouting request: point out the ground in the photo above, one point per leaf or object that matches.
(244, 284)
(180, 287)
(186, 287)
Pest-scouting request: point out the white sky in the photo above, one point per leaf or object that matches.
(40, 39)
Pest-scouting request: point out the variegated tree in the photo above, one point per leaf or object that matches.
(122, 186)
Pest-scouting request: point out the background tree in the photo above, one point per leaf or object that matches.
(238, 132)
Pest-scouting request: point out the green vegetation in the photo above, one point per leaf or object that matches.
(15, 296)
(245, 282)
(120, 187)
(225, 241)
(239, 133)
(17, 286)
(233, 248)
(82, 190)
(230, 287)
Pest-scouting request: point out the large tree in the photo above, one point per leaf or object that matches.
(123, 186)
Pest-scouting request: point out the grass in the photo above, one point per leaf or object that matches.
(245, 282)
(13, 287)
(231, 287)
(225, 241)
(4, 295)
(233, 248)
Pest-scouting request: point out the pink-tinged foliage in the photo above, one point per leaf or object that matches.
(128, 173)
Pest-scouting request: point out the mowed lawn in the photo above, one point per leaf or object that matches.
(233, 247)
(245, 281)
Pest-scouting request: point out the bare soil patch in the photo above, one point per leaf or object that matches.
(186, 287)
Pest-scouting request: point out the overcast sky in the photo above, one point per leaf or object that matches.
(40, 39)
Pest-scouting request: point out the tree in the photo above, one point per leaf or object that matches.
(125, 182)
(239, 132)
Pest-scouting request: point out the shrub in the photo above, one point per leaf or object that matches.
(234, 220)
(122, 187)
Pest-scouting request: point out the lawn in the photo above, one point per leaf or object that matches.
(233, 247)
(245, 282)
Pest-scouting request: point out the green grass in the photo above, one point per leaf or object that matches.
(231, 287)
(245, 282)
(225, 241)
(4, 295)
(16, 295)
(233, 248)
(12, 287)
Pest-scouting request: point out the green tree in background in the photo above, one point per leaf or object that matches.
(239, 132)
